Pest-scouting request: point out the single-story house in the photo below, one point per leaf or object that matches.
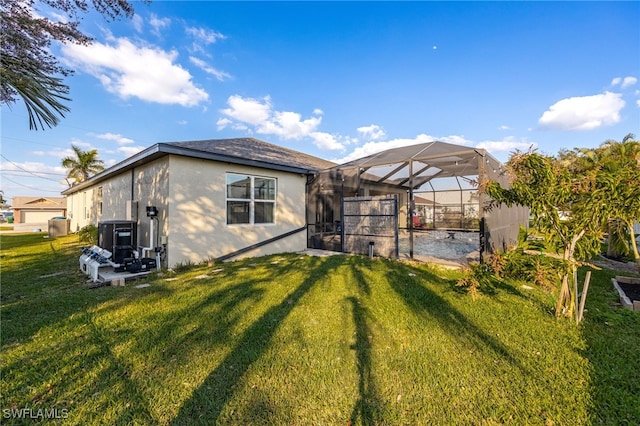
(215, 198)
(38, 210)
(230, 198)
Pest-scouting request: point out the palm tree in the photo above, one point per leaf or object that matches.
(43, 95)
(84, 165)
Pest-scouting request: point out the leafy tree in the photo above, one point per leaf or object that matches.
(563, 208)
(28, 69)
(83, 165)
(614, 169)
(618, 185)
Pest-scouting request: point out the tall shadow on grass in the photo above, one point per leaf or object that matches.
(612, 336)
(423, 301)
(367, 407)
(40, 286)
(190, 327)
(208, 401)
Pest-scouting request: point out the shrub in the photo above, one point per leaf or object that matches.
(88, 235)
(540, 270)
(476, 278)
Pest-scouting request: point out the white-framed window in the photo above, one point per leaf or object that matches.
(250, 199)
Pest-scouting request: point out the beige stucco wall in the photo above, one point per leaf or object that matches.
(197, 209)
(151, 188)
(80, 209)
(190, 197)
(83, 206)
(115, 193)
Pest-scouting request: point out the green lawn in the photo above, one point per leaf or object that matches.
(292, 339)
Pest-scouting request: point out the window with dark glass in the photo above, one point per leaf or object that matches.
(250, 199)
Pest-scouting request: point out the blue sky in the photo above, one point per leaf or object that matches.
(339, 80)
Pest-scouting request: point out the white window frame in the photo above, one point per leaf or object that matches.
(251, 200)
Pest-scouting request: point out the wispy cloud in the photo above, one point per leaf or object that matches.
(121, 140)
(624, 82)
(130, 150)
(158, 24)
(137, 22)
(220, 75)
(202, 38)
(205, 35)
(507, 144)
(372, 132)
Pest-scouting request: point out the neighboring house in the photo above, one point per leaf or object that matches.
(38, 210)
(214, 197)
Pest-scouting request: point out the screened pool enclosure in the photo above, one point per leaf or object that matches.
(418, 201)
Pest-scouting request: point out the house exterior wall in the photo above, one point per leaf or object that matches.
(190, 195)
(115, 193)
(108, 199)
(197, 229)
(151, 188)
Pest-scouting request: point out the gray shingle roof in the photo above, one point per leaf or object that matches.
(256, 151)
(246, 151)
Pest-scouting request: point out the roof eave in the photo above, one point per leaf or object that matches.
(161, 149)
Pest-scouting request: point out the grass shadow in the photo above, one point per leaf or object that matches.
(424, 301)
(612, 336)
(208, 401)
(43, 285)
(367, 408)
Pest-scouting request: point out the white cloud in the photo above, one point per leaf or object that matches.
(220, 75)
(583, 113)
(507, 144)
(372, 132)
(128, 151)
(39, 169)
(638, 102)
(158, 24)
(624, 82)
(223, 123)
(249, 110)
(503, 127)
(205, 35)
(79, 143)
(258, 115)
(137, 22)
(289, 125)
(121, 140)
(146, 72)
(326, 141)
(375, 147)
